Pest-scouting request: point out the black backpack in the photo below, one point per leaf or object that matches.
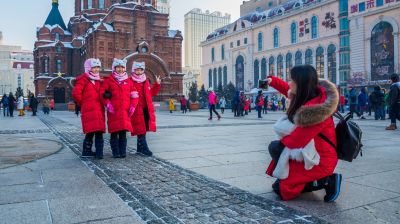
(348, 136)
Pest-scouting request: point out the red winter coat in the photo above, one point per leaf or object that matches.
(145, 97)
(312, 118)
(121, 100)
(87, 95)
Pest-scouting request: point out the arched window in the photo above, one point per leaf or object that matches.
(239, 72)
(319, 62)
(382, 51)
(212, 54)
(276, 37)
(263, 68)
(271, 65)
(332, 63)
(58, 65)
(308, 57)
(289, 64)
(256, 73)
(90, 4)
(314, 27)
(293, 33)
(298, 60)
(82, 4)
(223, 52)
(215, 81)
(209, 78)
(219, 76)
(279, 65)
(225, 75)
(260, 41)
(101, 4)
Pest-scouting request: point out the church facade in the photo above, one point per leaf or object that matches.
(106, 29)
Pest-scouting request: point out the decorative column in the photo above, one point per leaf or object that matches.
(326, 65)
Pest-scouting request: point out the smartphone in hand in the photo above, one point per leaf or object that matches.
(263, 84)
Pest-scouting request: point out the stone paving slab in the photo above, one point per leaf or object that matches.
(161, 192)
(26, 213)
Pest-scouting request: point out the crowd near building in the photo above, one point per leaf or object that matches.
(16, 69)
(348, 42)
(198, 25)
(107, 29)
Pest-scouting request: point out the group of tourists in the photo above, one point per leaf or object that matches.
(127, 99)
(9, 103)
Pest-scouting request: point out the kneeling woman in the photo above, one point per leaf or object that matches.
(312, 104)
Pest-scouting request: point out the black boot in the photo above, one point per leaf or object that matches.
(332, 187)
(276, 189)
(122, 148)
(315, 185)
(143, 147)
(87, 149)
(99, 144)
(114, 147)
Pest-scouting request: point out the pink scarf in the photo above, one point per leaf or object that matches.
(139, 78)
(120, 77)
(93, 76)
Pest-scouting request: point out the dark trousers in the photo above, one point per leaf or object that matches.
(5, 111)
(379, 112)
(46, 110)
(212, 109)
(264, 110)
(341, 108)
(394, 113)
(259, 108)
(184, 109)
(222, 110)
(353, 109)
(34, 111)
(11, 109)
(98, 136)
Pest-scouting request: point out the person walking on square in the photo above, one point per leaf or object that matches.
(86, 94)
(11, 104)
(46, 105)
(394, 102)
(183, 104)
(265, 107)
(377, 99)
(144, 118)
(52, 104)
(353, 102)
(171, 105)
(20, 106)
(33, 104)
(236, 104)
(362, 102)
(342, 102)
(121, 99)
(242, 104)
(212, 102)
(312, 103)
(222, 104)
(259, 103)
(4, 103)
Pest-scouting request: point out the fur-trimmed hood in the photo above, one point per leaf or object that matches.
(320, 108)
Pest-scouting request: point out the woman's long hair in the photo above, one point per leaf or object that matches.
(306, 79)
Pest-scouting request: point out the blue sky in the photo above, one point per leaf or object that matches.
(20, 18)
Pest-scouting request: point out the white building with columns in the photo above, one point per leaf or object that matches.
(272, 42)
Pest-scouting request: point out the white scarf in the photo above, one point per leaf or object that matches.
(120, 77)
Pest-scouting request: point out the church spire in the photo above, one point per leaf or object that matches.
(54, 17)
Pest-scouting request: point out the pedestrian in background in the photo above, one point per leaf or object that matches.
(52, 104)
(183, 102)
(259, 103)
(236, 104)
(222, 104)
(4, 103)
(362, 102)
(46, 105)
(353, 102)
(342, 103)
(33, 104)
(212, 102)
(377, 99)
(20, 106)
(86, 94)
(171, 105)
(265, 107)
(394, 100)
(11, 104)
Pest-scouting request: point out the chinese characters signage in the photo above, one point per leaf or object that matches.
(304, 27)
(329, 21)
(369, 4)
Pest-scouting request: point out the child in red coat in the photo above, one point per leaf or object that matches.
(144, 118)
(120, 99)
(86, 94)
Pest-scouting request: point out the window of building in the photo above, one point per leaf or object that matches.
(212, 54)
(314, 27)
(344, 76)
(319, 62)
(298, 60)
(82, 4)
(293, 33)
(219, 76)
(382, 51)
(279, 66)
(332, 63)
(58, 49)
(215, 81)
(57, 37)
(308, 57)
(101, 4)
(344, 58)
(90, 4)
(361, 7)
(45, 65)
(225, 75)
(19, 81)
(289, 64)
(344, 41)
(245, 40)
(231, 44)
(209, 78)
(58, 65)
(379, 3)
(263, 68)
(256, 73)
(271, 65)
(343, 5)
(223, 52)
(238, 42)
(260, 41)
(276, 37)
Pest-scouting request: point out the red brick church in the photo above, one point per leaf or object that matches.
(106, 29)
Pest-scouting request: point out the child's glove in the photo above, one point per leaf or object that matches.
(110, 108)
(131, 111)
